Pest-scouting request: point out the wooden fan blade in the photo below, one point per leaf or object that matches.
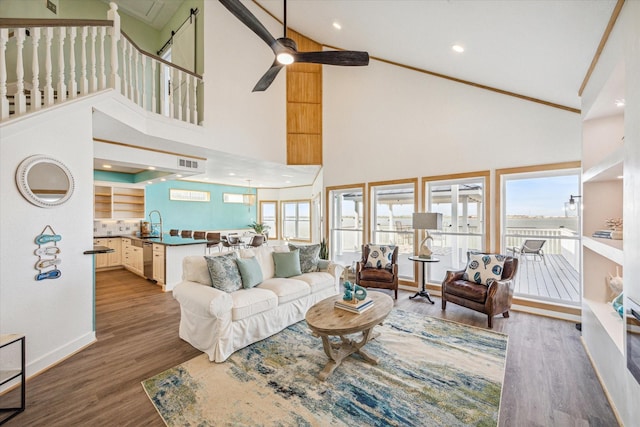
(248, 19)
(268, 77)
(334, 57)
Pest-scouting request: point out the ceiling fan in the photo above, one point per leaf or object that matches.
(286, 50)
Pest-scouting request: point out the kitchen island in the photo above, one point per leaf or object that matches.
(159, 259)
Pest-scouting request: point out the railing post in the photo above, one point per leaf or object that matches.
(103, 59)
(143, 91)
(195, 100)
(84, 83)
(4, 102)
(73, 85)
(187, 98)
(48, 68)
(61, 87)
(35, 70)
(19, 99)
(114, 80)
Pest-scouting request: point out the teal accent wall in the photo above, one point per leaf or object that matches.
(212, 215)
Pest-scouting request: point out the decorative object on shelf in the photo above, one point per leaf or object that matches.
(353, 292)
(44, 181)
(614, 224)
(615, 283)
(618, 306)
(608, 234)
(43, 252)
(426, 221)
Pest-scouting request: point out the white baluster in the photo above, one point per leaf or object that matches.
(93, 79)
(194, 96)
(145, 80)
(136, 80)
(48, 67)
(131, 71)
(4, 102)
(84, 83)
(172, 90)
(73, 84)
(103, 59)
(178, 92)
(125, 85)
(114, 80)
(187, 97)
(35, 71)
(61, 87)
(19, 99)
(153, 80)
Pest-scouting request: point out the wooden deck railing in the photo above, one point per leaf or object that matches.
(82, 57)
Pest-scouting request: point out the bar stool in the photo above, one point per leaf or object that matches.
(186, 233)
(174, 232)
(199, 235)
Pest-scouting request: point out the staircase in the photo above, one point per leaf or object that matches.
(82, 57)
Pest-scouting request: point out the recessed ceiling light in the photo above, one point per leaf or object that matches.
(151, 168)
(457, 48)
(106, 166)
(619, 102)
(287, 182)
(337, 25)
(179, 176)
(620, 176)
(149, 182)
(232, 174)
(287, 176)
(162, 179)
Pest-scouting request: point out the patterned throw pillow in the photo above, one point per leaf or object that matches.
(309, 257)
(484, 269)
(224, 272)
(379, 256)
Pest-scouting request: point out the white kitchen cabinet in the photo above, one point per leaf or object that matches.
(158, 263)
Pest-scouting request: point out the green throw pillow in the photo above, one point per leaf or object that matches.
(287, 263)
(309, 257)
(224, 272)
(250, 271)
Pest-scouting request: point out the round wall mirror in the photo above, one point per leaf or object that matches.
(44, 181)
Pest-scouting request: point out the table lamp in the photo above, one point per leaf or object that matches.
(426, 221)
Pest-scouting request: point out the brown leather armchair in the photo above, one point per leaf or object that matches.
(492, 300)
(383, 278)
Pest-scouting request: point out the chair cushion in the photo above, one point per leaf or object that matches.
(309, 257)
(376, 274)
(467, 290)
(287, 264)
(249, 271)
(224, 272)
(484, 268)
(379, 256)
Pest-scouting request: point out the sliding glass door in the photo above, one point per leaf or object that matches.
(346, 223)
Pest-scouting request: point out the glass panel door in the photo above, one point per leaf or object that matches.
(536, 213)
(268, 216)
(462, 205)
(346, 219)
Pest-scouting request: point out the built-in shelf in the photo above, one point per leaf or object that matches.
(610, 168)
(610, 321)
(118, 202)
(608, 248)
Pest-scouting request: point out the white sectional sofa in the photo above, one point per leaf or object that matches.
(219, 322)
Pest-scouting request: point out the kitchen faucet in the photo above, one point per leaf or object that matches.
(156, 223)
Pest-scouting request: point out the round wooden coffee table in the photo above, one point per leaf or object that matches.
(325, 320)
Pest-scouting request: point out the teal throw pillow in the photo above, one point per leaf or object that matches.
(309, 257)
(287, 263)
(224, 272)
(249, 271)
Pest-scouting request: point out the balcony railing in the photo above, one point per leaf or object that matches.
(45, 62)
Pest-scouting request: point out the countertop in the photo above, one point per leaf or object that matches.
(97, 249)
(165, 240)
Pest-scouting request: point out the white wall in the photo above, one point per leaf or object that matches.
(384, 122)
(246, 123)
(55, 315)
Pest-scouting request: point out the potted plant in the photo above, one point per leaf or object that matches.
(259, 228)
(324, 250)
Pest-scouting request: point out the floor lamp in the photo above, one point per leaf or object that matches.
(426, 221)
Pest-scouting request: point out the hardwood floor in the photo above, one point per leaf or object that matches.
(549, 380)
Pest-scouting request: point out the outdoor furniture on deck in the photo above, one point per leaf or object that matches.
(529, 247)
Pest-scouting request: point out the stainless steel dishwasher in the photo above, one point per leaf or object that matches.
(147, 259)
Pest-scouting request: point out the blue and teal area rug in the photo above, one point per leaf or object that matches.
(432, 372)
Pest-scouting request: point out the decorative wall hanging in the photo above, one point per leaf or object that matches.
(47, 253)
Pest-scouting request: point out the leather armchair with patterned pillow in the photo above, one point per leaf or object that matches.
(380, 274)
(486, 285)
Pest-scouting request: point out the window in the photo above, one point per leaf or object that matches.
(296, 220)
(535, 206)
(392, 207)
(345, 210)
(269, 216)
(462, 201)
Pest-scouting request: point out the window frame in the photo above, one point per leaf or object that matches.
(297, 203)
